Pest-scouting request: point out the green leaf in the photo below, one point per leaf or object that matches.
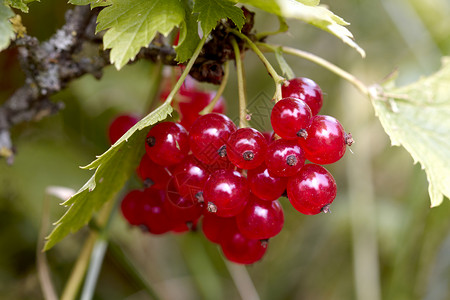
(212, 11)
(113, 168)
(284, 66)
(417, 117)
(93, 3)
(19, 4)
(6, 28)
(316, 15)
(133, 24)
(189, 38)
(309, 2)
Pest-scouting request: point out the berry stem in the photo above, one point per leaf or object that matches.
(209, 108)
(276, 78)
(321, 62)
(185, 71)
(241, 85)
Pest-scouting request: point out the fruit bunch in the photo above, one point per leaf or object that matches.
(233, 178)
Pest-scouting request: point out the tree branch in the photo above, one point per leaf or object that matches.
(75, 50)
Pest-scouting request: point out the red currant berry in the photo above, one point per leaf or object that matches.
(130, 207)
(182, 210)
(239, 249)
(152, 174)
(304, 89)
(189, 178)
(212, 226)
(193, 101)
(265, 186)
(325, 143)
(312, 190)
(290, 118)
(246, 148)
(226, 192)
(153, 213)
(260, 219)
(208, 136)
(284, 158)
(167, 143)
(120, 125)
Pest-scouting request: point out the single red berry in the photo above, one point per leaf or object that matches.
(264, 185)
(167, 143)
(260, 219)
(304, 89)
(192, 101)
(284, 158)
(239, 249)
(181, 210)
(152, 174)
(246, 148)
(208, 137)
(325, 143)
(120, 125)
(131, 205)
(153, 213)
(226, 192)
(290, 117)
(213, 226)
(312, 190)
(189, 178)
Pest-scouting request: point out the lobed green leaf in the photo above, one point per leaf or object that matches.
(309, 12)
(6, 28)
(189, 37)
(132, 24)
(212, 11)
(417, 117)
(113, 168)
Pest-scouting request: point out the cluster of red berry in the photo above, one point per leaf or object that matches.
(233, 177)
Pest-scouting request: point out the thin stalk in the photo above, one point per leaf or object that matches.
(276, 78)
(99, 249)
(243, 281)
(241, 85)
(84, 259)
(45, 280)
(322, 62)
(209, 108)
(97, 255)
(186, 71)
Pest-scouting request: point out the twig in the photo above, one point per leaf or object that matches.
(241, 85)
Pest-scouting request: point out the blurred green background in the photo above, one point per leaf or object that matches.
(382, 240)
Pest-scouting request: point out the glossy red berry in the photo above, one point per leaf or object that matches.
(152, 174)
(213, 226)
(264, 185)
(239, 249)
(192, 101)
(312, 190)
(290, 117)
(226, 192)
(246, 148)
(189, 178)
(325, 143)
(182, 210)
(167, 143)
(284, 158)
(131, 205)
(304, 89)
(208, 136)
(260, 219)
(120, 125)
(153, 213)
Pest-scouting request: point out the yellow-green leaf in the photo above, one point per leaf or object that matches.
(417, 117)
(113, 168)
